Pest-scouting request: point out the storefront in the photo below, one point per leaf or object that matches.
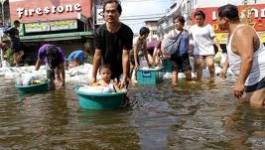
(67, 23)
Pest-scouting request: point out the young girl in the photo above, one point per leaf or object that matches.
(106, 84)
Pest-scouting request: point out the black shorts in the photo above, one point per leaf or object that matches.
(16, 46)
(181, 63)
(257, 86)
(151, 50)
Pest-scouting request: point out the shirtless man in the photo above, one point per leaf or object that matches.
(246, 54)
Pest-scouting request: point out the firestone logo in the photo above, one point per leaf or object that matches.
(47, 10)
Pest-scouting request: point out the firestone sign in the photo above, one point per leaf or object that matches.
(23, 12)
(37, 11)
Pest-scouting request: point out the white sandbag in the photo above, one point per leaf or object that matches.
(29, 78)
(5, 64)
(167, 75)
(97, 89)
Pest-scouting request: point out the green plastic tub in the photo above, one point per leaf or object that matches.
(149, 76)
(34, 88)
(100, 101)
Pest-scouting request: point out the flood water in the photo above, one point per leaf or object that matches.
(192, 116)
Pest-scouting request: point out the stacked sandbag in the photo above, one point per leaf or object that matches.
(97, 89)
(30, 79)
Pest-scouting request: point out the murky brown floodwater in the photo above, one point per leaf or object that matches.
(194, 116)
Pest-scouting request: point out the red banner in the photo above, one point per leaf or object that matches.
(254, 15)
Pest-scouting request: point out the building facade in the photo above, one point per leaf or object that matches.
(67, 23)
(152, 25)
(166, 24)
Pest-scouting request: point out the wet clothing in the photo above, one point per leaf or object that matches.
(52, 55)
(203, 39)
(181, 57)
(141, 44)
(255, 79)
(151, 45)
(78, 54)
(13, 33)
(183, 43)
(257, 86)
(182, 63)
(44, 54)
(112, 46)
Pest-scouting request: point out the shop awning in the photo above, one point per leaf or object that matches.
(57, 36)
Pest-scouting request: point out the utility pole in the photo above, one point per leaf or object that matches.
(3, 12)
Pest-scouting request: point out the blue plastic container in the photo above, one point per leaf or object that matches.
(34, 88)
(99, 101)
(167, 64)
(150, 76)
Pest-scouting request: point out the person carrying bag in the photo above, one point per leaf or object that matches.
(177, 47)
(171, 44)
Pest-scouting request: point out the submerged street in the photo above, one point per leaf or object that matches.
(194, 116)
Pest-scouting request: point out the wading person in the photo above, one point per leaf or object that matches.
(53, 57)
(140, 51)
(202, 35)
(76, 58)
(177, 47)
(113, 42)
(180, 58)
(16, 45)
(246, 54)
(140, 47)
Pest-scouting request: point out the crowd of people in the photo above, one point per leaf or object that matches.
(114, 41)
(117, 53)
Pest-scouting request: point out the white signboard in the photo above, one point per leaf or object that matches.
(99, 15)
(51, 26)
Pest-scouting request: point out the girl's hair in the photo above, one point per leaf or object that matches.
(105, 66)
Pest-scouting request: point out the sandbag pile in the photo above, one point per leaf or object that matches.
(79, 74)
(30, 79)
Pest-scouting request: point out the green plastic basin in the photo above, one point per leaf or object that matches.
(34, 88)
(99, 101)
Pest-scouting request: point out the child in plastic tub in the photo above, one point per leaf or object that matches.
(106, 84)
